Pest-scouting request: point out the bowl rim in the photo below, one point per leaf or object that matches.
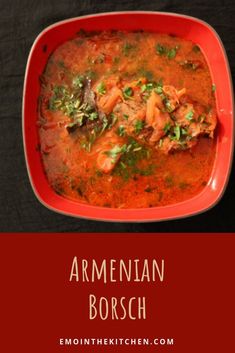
(131, 220)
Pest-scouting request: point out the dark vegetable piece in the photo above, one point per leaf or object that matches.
(162, 50)
(139, 124)
(101, 88)
(127, 92)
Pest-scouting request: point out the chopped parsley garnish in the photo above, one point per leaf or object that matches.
(104, 125)
(93, 116)
(162, 50)
(147, 87)
(171, 53)
(139, 124)
(125, 116)
(158, 89)
(177, 132)
(78, 81)
(127, 92)
(189, 115)
(143, 88)
(101, 88)
(121, 130)
(167, 128)
(184, 131)
(115, 151)
(114, 119)
(131, 154)
(167, 105)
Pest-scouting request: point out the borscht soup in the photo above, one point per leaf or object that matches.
(127, 119)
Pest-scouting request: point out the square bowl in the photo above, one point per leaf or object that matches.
(180, 25)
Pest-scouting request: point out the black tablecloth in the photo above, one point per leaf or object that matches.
(20, 23)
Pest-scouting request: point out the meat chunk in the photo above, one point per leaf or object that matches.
(185, 114)
(108, 151)
(107, 102)
(172, 97)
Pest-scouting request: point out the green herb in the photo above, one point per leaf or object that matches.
(78, 82)
(189, 115)
(167, 105)
(104, 125)
(93, 116)
(131, 154)
(127, 92)
(101, 88)
(125, 116)
(123, 165)
(147, 87)
(177, 132)
(116, 151)
(86, 145)
(158, 89)
(160, 49)
(167, 128)
(114, 119)
(139, 124)
(65, 101)
(213, 88)
(143, 88)
(184, 131)
(121, 130)
(171, 53)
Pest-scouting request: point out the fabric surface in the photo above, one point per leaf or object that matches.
(20, 23)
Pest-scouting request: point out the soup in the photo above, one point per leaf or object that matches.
(127, 119)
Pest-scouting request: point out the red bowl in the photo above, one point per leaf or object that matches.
(180, 25)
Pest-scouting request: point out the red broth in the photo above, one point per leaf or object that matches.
(100, 144)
